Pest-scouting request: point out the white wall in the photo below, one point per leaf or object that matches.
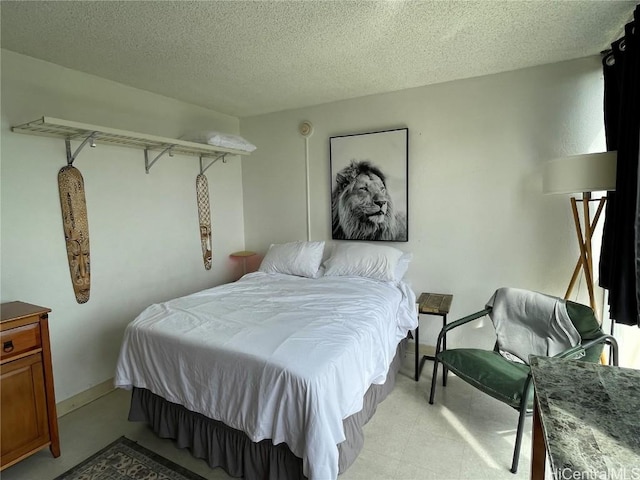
(145, 244)
(477, 217)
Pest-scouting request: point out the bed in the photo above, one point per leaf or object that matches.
(274, 375)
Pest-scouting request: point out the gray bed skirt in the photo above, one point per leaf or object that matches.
(222, 446)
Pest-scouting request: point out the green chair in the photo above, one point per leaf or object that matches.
(510, 381)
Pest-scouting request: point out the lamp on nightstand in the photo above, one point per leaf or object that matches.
(244, 254)
(583, 174)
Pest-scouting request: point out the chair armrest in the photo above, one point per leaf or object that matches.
(580, 349)
(467, 319)
(457, 323)
(574, 353)
(608, 339)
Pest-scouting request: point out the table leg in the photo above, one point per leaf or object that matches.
(416, 335)
(445, 370)
(538, 449)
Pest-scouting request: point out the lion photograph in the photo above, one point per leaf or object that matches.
(362, 208)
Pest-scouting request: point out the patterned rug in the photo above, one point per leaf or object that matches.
(126, 460)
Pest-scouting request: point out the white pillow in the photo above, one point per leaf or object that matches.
(294, 258)
(220, 139)
(402, 266)
(363, 260)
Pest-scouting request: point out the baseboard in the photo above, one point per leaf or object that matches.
(83, 398)
(423, 349)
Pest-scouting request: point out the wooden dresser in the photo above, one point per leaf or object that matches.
(28, 405)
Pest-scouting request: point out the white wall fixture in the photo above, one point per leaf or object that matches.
(306, 130)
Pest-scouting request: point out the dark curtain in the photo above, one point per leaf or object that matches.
(619, 261)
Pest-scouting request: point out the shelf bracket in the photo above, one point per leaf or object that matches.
(148, 164)
(72, 157)
(221, 156)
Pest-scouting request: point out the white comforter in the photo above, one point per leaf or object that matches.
(276, 356)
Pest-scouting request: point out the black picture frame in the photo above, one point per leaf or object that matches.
(370, 186)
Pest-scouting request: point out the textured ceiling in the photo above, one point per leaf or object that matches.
(250, 57)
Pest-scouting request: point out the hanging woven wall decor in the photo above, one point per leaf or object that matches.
(76, 230)
(204, 217)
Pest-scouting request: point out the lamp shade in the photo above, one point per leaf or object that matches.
(591, 172)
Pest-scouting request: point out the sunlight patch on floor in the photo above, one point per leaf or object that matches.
(470, 438)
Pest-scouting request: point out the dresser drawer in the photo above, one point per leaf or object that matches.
(19, 340)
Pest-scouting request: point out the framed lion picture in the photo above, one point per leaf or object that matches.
(369, 186)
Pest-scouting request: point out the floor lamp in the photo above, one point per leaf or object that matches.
(583, 174)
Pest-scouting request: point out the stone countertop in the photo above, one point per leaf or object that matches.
(590, 416)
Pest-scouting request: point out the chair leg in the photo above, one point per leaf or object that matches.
(521, 418)
(516, 450)
(434, 380)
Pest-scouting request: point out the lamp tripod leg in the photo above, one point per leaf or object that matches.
(584, 249)
(594, 224)
(588, 254)
(585, 261)
(574, 277)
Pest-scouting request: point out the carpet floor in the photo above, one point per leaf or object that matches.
(124, 459)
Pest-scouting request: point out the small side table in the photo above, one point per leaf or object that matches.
(244, 254)
(437, 304)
